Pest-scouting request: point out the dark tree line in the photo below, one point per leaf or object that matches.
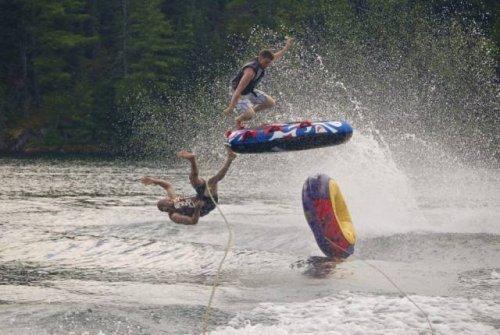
(69, 68)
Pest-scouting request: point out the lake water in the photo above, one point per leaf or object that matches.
(83, 249)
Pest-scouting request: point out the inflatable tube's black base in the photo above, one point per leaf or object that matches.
(290, 144)
(289, 137)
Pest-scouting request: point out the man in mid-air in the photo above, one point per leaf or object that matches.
(188, 210)
(244, 96)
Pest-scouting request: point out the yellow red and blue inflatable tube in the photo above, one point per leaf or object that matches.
(327, 214)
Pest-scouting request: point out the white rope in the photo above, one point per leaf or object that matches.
(390, 281)
(206, 315)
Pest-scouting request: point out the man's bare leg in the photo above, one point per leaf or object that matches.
(194, 179)
(268, 103)
(246, 116)
(212, 182)
(163, 183)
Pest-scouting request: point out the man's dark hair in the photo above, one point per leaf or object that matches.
(267, 54)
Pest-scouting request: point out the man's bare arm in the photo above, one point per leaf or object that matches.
(153, 181)
(289, 42)
(163, 183)
(248, 75)
(184, 219)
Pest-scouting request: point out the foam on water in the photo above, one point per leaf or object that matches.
(354, 313)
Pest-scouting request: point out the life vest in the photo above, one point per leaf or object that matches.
(186, 206)
(259, 73)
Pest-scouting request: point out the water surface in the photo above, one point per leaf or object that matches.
(83, 249)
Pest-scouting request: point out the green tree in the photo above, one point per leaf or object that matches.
(52, 91)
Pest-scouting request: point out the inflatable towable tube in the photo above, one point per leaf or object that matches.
(328, 216)
(289, 136)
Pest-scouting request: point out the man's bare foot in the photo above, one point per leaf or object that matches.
(231, 155)
(239, 125)
(185, 154)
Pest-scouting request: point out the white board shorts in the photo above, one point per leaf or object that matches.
(249, 100)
